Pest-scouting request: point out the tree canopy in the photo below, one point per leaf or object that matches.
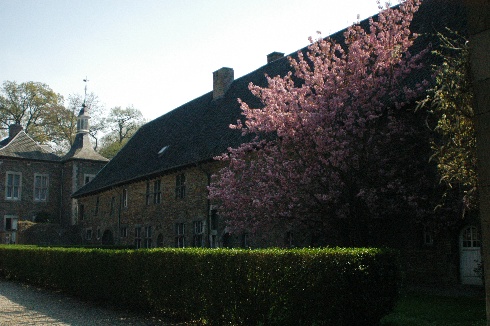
(60, 127)
(49, 119)
(30, 104)
(334, 138)
(121, 125)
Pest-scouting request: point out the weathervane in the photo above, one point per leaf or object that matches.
(85, 81)
(85, 98)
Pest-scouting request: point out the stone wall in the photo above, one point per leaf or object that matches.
(156, 220)
(27, 207)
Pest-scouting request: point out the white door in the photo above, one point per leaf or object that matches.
(470, 255)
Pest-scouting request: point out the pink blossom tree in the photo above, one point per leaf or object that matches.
(335, 136)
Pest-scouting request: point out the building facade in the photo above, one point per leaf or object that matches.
(36, 184)
(153, 193)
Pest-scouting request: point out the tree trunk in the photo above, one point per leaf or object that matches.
(479, 26)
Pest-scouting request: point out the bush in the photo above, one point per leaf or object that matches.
(221, 286)
(43, 217)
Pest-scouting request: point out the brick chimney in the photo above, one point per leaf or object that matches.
(274, 56)
(222, 79)
(14, 130)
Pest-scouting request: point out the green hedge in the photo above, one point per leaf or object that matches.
(332, 286)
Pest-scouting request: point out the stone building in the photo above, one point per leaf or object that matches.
(153, 193)
(36, 184)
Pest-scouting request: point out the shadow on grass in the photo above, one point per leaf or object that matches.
(425, 308)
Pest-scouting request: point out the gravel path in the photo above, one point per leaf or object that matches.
(27, 305)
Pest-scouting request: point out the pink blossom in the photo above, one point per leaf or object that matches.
(336, 134)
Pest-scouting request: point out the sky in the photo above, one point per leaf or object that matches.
(156, 54)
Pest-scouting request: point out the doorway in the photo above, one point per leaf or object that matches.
(470, 255)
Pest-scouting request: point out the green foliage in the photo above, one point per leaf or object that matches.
(122, 125)
(221, 286)
(29, 104)
(110, 149)
(450, 101)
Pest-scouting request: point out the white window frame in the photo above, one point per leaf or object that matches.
(41, 191)
(15, 191)
(471, 238)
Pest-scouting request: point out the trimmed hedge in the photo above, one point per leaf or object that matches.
(332, 286)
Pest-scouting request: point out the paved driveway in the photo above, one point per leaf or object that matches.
(28, 305)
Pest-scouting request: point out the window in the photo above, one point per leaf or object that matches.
(124, 232)
(214, 228)
(198, 239)
(125, 198)
(148, 194)
(13, 185)
(148, 237)
(96, 209)
(471, 237)
(88, 234)
(10, 223)
(245, 240)
(40, 187)
(113, 205)
(180, 186)
(81, 212)
(180, 235)
(98, 233)
(289, 241)
(157, 193)
(214, 219)
(87, 178)
(137, 237)
(160, 240)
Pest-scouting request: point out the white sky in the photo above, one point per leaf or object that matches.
(156, 54)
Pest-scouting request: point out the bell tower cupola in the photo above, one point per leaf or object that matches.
(82, 148)
(82, 120)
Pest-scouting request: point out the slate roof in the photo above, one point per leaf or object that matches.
(82, 149)
(199, 130)
(24, 147)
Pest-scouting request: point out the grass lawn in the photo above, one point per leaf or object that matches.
(423, 309)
